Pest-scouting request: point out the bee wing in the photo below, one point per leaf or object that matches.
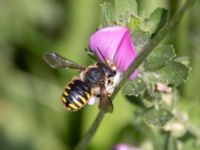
(106, 105)
(105, 102)
(56, 61)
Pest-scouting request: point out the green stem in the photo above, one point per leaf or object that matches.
(167, 140)
(147, 49)
(82, 145)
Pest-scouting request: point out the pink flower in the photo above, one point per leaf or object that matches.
(115, 44)
(125, 147)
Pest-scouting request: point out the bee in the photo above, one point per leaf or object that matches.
(95, 82)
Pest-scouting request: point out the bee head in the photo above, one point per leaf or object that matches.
(108, 70)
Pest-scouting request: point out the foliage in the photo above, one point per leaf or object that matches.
(160, 74)
(31, 114)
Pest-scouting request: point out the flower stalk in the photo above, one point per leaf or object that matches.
(88, 136)
(146, 50)
(167, 141)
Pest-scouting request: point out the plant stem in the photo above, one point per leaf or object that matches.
(146, 50)
(84, 142)
(167, 140)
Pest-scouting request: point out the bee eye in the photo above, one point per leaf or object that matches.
(111, 73)
(114, 72)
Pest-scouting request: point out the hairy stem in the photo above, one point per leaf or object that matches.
(167, 141)
(84, 142)
(146, 50)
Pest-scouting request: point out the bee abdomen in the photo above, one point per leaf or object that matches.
(76, 95)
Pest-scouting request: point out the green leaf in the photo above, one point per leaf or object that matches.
(188, 136)
(191, 145)
(183, 59)
(134, 87)
(151, 97)
(140, 38)
(134, 23)
(107, 14)
(136, 100)
(156, 20)
(174, 73)
(159, 57)
(124, 9)
(151, 94)
(157, 118)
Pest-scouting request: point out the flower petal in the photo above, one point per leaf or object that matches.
(125, 54)
(106, 40)
(134, 75)
(125, 147)
(114, 44)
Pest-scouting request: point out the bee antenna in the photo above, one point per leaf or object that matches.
(104, 59)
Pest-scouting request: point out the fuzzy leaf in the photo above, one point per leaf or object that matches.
(183, 59)
(134, 23)
(135, 100)
(159, 57)
(125, 8)
(157, 118)
(140, 38)
(191, 145)
(107, 14)
(151, 97)
(174, 73)
(156, 20)
(134, 87)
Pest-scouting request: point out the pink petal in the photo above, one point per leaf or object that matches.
(134, 75)
(115, 44)
(126, 54)
(106, 40)
(125, 147)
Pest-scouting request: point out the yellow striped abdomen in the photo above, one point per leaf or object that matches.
(76, 95)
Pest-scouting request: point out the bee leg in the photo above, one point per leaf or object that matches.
(105, 103)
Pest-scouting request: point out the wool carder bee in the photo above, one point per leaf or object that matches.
(95, 82)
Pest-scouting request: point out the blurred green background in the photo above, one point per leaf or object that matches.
(31, 114)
